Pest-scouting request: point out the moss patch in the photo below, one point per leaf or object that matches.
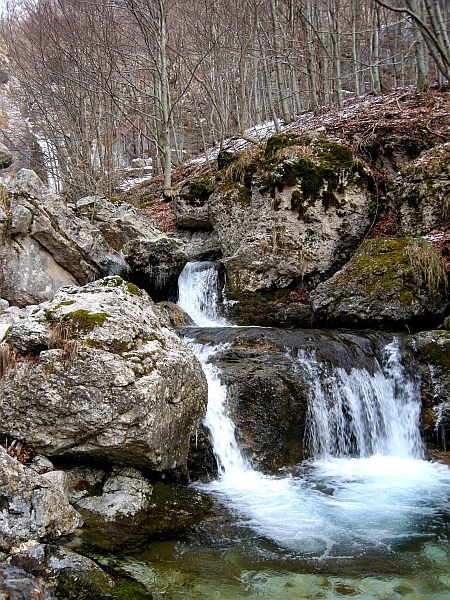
(133, 289)
(85, 319)
(198, 191)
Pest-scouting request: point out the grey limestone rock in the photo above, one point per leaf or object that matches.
(125, 494)
(46, 246)
(420, 198)
(5, 157)
(31, 507)
(118, 222)
(113, 383)
(73, 576)
(379, 286)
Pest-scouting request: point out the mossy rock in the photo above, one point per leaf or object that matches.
(197, 191)
(382, 284)
(79, 585)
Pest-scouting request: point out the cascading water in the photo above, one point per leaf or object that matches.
(366, 485)
(198, 293)
(364, 517)
(360, 414)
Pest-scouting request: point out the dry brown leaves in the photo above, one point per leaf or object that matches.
(162, 214)
(21, 451)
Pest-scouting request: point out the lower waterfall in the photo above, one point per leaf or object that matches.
(366, 486)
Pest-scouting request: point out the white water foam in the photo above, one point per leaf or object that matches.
(198, 294)
(338, 506)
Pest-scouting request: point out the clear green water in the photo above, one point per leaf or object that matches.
(253, 568)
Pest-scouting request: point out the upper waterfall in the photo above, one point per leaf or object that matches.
(198, 293)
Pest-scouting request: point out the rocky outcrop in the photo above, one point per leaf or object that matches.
(421, 197)
(97, 376)
(286, 217)
(156, 265)
(118, 222)
(389, 282)
(44, 245)
(31, 507)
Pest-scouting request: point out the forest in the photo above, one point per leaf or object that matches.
(109, 81)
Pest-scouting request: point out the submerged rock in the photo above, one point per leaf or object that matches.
(100, 377)
(31, 507)
(389, 282)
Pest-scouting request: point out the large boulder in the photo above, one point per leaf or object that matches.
(191, 204)
(389, 282)
(44, 245)
(156, 265)
(101, 378)
(285, 217)
(31, 507)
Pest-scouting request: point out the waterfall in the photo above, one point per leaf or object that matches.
(222, 429)
(198, 293)
(360, 414)
(365, 487)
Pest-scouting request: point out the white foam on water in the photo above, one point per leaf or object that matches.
(338, 505)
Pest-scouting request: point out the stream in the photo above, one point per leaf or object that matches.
(365, 516)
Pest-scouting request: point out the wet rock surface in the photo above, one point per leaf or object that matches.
(432, 351)
(267, 387)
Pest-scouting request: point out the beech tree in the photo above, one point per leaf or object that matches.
(106, 81)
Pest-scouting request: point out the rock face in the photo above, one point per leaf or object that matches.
(156, 265)
(101, 378)
(432, 350)
(31, 507)
(388, 282)
(44, 245)
(284, 217)
(421, 197)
